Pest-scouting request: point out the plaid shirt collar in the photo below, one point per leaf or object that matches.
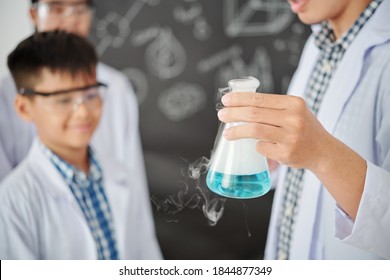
(71, 173)
(325, 38)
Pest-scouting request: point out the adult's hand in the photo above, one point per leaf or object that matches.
(287, 130)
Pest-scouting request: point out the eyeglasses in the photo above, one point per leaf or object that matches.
(69, 100)
(58, 9)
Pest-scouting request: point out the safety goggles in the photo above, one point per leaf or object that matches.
(59, 9)
(69, 100)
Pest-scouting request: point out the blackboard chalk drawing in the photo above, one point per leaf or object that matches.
(187, 16)
(260, 66)
(144, 36)
(228, 63)
(193, 15)
(202, 30)
(165, 57)
(182, 101)
(293, 45)
(114, 29)
(216, 60)
(256, 17)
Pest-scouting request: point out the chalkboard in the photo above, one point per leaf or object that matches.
(177, 53)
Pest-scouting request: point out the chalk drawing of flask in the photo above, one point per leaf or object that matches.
(236, 169)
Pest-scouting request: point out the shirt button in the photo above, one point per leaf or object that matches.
(288, 211)
(327, 66)
(282, 256)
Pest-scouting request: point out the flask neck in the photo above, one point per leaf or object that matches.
(243, 89)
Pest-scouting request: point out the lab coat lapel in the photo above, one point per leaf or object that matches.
(50, 179)
(300, 247)
(340, 89)
(118, 190)
(116, 180)
(310, 54)
(304, 225)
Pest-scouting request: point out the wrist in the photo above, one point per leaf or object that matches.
(342, 172)
(324, 155)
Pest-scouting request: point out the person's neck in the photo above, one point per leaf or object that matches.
(343, 21)
(77, 157)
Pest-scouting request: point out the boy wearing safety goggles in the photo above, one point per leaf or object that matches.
(65, 200)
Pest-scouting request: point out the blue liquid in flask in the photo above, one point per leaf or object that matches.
(239, 186)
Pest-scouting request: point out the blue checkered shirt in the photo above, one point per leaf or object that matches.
(331, 52)
(91, 197)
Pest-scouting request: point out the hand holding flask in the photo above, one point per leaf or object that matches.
(236, 169)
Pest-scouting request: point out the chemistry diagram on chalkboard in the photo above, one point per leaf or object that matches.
(179, 51)
(256, 17)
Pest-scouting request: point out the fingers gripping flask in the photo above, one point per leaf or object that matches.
(236, 169)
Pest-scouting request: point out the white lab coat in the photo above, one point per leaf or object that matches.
(41, 219)
(117, 135)
(356, 110)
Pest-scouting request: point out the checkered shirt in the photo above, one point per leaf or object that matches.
(91, 197)
(331, 52)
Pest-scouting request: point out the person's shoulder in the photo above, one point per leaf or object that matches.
(117, 82)
(121, 93)
(7, 84)
(108, 73)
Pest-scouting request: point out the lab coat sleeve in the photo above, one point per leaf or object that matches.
(16, 135)
(371, 229)
(16, 236)
(5, 166)
(5, 162)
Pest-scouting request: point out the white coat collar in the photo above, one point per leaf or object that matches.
(54, 182)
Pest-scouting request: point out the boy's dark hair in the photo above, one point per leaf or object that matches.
(57, 51)
(90, 2)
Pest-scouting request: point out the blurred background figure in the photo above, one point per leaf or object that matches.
(176, 54)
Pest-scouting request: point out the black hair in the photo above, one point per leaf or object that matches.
(90, 2)
(58, 51)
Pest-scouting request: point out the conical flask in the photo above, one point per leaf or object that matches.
(236, 169)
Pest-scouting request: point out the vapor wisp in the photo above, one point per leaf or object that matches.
(196, 197)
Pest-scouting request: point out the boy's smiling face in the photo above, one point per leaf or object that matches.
(61, 131)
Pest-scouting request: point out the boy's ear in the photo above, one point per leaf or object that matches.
(33, 16)
(23, 107)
